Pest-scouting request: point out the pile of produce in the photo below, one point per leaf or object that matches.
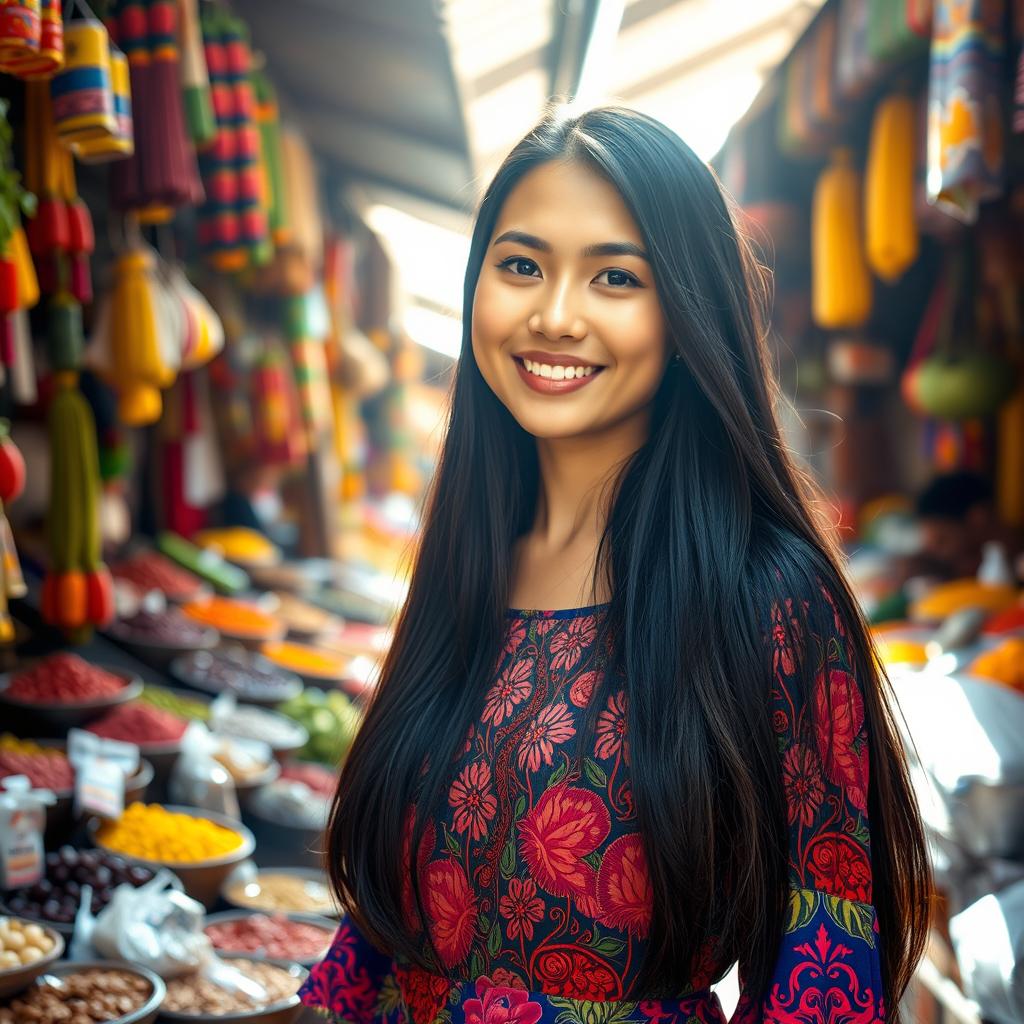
(149, 570)
(1008, 621)
(246, 675)
(84, 997)
(139, 723)
(331, 720)
(151, 832)
(1003, 664)
(239, 544)
(246, 722)
(942, 601)
(174, 703)
(194, 994)
(22, 943)
(168, 628)
(314, 776)
(306, 660)
(273, 936)
(234, 618)
(63, 679)
(56, 895)
(273, 890)
(302, 617)
(45, 767)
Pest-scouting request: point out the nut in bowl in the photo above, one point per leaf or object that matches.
(200, 847)
(288, 890)
(26, 950)
(109, 991)
(195, 999)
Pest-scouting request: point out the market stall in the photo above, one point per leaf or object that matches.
(881, 172)
(198, 571)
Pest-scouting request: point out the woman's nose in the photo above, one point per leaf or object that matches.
(557, 317)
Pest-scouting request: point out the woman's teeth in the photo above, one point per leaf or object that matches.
(558, 372)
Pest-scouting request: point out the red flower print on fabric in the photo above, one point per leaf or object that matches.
(804, 786)
(503, 976)
(553, 725)
(473, 799)
(839, 720)
(511, 689)
(577, 972)
(567, 645)
(424, 993)
(451, 908)
(582, 689)
(611, 728)
(514, 636)
(500, 1004)
(840, 866)
(785, 632)
(339, 983)
(521, 908)
(624, 886)
(564, 826)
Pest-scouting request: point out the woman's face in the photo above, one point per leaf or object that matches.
(568, 330)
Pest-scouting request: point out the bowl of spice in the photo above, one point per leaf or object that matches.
(26, 950)
(46, 765)
(147, 571)
(250, 677)
(290, 890)
(157, 636)
(243, 621)
(155, 731)
(63, 691)
(200, 847)
(54, 899)
(197, 999)
(304, 620)
(282, 734)
(89, 992)
(316, 666)
(303, 938)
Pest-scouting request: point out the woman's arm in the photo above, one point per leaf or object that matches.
(828, 965)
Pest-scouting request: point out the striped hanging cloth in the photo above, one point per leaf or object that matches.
(965, 137)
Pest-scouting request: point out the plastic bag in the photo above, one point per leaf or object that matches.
(199, 779)
(161, 928)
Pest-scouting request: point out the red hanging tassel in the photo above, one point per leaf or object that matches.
(50, 228)
(8, 286)
(80, 278)
(7, 339)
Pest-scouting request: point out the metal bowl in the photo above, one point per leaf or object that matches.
(57, 719)
(324, 923)
(159, 654)
(202, 880)
(248, 873)
(145, 1014)
(282, 1012)
(14, 979)
(280, 844)
(291, 684)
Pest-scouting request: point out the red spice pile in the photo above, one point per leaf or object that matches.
(139, 723)
(63, 679)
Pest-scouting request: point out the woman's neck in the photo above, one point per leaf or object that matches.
(554, 563)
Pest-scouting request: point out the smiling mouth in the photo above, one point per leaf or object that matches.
(555, 378)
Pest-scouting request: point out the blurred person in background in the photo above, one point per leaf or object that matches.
(630, 730)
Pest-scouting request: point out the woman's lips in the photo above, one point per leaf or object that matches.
(549, 386)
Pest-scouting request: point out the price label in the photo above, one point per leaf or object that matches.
(99, 788)
(21, 846)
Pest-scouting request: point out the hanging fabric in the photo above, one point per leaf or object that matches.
(233, 230)
(82, 92)
(44, 30)
(195, 79)
(965, 137)
(161, 175)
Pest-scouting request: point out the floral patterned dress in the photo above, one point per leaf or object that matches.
(534, 878)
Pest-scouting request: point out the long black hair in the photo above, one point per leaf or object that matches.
(711, 524)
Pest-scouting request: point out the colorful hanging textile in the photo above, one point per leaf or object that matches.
(195, 79)
(856, 69)
(161, 175)
(965, 135)
(31, 38)
(233, 230)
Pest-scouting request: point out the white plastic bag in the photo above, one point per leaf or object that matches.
(162, 929)
(199, 779)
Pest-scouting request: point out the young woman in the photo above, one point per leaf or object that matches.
(587, 815)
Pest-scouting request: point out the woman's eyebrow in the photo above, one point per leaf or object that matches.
(600, 249)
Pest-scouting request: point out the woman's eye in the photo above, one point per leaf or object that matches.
(618, 279)
(521, 261)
